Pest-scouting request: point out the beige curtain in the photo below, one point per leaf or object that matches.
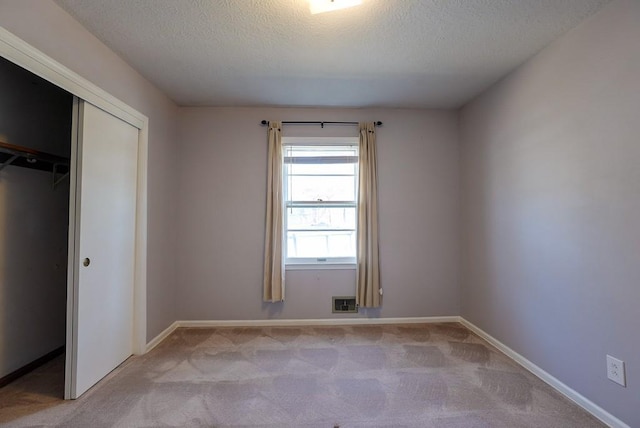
(368, 291)
(273, 257)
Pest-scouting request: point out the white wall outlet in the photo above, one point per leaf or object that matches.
(615, 370)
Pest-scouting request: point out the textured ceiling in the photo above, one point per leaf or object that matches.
(386, 53)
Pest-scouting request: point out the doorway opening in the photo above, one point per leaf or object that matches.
(35, 150)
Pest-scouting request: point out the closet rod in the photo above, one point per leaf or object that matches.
(321, 123)
(29, 153)
(27, 157)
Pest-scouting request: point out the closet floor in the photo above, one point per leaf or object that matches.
(36, 391)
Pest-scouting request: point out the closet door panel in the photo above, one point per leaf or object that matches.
(104, 250)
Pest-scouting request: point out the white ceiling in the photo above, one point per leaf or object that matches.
(384, 53)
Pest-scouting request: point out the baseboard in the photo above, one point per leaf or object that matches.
(162, 336)
(7, 379)
(295, 322)
(314, 322)
(568, 392)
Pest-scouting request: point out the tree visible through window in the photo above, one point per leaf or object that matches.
(320, 197)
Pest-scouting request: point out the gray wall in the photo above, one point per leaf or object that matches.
(551, 208)
(44, 25)
(222, 215)
(33, 221)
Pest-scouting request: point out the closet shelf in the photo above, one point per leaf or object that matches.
(26, 157)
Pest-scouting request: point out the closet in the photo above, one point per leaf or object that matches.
(73, 220)
(35, 151)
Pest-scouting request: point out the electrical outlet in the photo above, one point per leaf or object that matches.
(615, 370)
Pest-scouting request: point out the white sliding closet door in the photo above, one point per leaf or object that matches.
(101, 247)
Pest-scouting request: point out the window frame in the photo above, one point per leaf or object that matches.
(303, 263)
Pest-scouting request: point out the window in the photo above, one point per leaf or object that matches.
(320, 180)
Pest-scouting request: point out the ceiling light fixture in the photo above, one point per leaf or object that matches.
(321, 6)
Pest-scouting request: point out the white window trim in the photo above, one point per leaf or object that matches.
(320, 141)
(336, 263)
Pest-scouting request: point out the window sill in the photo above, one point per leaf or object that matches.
(320, 266)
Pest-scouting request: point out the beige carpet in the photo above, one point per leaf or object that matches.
(426, 375)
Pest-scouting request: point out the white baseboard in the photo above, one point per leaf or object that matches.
(162, 336)
(568, 392)
(295, 322)
(314, 322)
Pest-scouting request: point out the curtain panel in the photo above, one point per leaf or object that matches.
(274, 271)
(368, 290)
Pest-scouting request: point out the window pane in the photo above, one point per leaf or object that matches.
(334, 168)
(321, 244)
(314, 188)
(314, 175)
(321, 218)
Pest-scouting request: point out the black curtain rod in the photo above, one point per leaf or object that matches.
(321, 123)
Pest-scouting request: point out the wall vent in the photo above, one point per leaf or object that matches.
(344, 304)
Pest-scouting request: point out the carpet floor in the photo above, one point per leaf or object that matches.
(413, 375)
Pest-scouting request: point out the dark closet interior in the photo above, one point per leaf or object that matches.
(35, 147)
